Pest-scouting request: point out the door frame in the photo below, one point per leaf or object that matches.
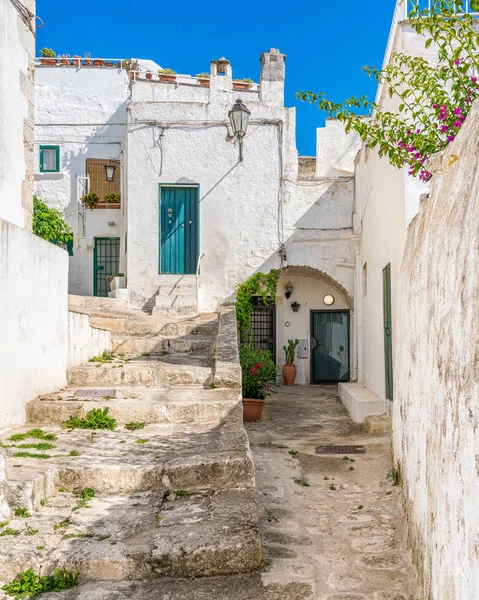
(346, 311)
(198, 201)
(271, 308)
(102, 237)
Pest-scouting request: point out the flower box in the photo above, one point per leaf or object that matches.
(48, 62)
(168, 78)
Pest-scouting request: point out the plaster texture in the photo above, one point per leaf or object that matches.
(435, 415)
(336, 150)
(17, 100)
(33, 320)
(85, 341)
(88, 122)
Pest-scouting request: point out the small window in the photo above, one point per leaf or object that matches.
(49, 159)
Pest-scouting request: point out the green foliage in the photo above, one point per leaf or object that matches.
(29, 585)
(105, 357)
(22, 512)
(90, 200)
(293, 452)
(74, 453)
(135, 425)
(258, 284)
(258, 372)
(97, 418)
(40, 446)
(203, 75)
(24, 454)
(302, 482)
(47, 53)
(394, 475)
(113, 198)
(130, 65)
(360, 507)
(166, 71)
(29, 530)
(290, 351)
(10, 531)
(84, 496)
(38, 434)
(141, 441)
(270, 515)
(48, 223)
(433, 99)
(245, 80)
(181, 494)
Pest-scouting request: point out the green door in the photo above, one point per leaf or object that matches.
(178, 229)
(329, 346)
(388, 342)
(106, 261)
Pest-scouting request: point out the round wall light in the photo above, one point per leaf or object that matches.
(329, 299)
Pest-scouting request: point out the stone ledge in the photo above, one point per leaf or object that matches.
(360, 401)
(227, 367)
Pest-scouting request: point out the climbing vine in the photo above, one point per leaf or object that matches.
(259, 284)
(433, 99)
(48, 223)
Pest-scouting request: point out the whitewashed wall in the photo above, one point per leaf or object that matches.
(180, 134)
(17, 45)
(84, 112)
(85, 341)
(436, 408)
(33, 320)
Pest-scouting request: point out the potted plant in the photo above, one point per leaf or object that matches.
(289, 369)
(65, 59)
(76, 60)
(90, 200)
(204, 79)
(149, 75)
(98, 62)
(110, 63)
(48, 57)
(258, 379)
(116, 281)
(242, 84)
(167, 75)
(87, 62)
(112, 199)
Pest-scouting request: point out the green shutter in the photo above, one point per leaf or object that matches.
(388, 346)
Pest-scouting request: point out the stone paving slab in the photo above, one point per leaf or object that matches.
(183, 404)
(154, 344)
(189, 457)
(333, 522)
(146, 535)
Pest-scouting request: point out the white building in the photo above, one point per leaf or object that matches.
(195, 221)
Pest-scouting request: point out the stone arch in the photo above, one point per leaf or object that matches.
(317, 274)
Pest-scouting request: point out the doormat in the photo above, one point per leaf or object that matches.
(97, 393)
(356, 449)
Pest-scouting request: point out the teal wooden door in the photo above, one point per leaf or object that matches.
(388, 327)
(178, 229)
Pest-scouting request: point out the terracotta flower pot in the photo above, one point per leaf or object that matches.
(110, 64)
(205, 82)
(252, 409)
(170, 78)
(98, 63)
(66, 61)
(48, 61)
(149, 75)
(134, 75)
(241, 85)
(87, 62)
(289, 374)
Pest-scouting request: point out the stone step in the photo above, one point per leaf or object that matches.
(175, 311)
(155, 458)
(232, 587)
(157, 344)
(147, 535)
(175, 301)
(204, 325)
(380, 424)
(165, 370)
(148, 405)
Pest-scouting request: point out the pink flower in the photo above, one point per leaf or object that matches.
(451, 138)
(457, 124)
(474, 79)
(457, 111)
(444, 128)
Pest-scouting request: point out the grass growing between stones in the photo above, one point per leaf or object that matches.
(38, 434)
(135, 425)
(29, 584)
(302, 482)
(24, 454)
(84, 496)
(181, 494)
(40, 446)
(394, 476)
(104, 358)
(10, 531)
(22, 512)
(270, 515)
(97, 418)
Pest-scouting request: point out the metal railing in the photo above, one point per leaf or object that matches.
(461, 8)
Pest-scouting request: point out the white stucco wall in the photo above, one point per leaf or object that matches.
(33, 320)
(180, 134)
(436, 408)
(83, 111)
(336, 150)
(85, 341)
(16, 114)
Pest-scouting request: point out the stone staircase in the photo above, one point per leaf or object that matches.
(173, 498)
(176, 296)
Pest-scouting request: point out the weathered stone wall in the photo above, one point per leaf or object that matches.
(17, 101)
(436, 416)
(85, 341)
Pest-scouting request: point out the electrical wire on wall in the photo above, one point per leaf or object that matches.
(26, 15)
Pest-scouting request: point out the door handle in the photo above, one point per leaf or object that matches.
(100, 268)
(314, 343)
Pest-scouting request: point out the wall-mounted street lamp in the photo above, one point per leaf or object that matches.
(289, 289)
(295, 306)
(110, 172)
(239, 117)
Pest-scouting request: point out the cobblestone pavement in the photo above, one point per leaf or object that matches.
(340, 526)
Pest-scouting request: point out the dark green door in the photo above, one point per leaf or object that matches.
(388, 342)
(329, 346)
(106, 261)
(178, 229)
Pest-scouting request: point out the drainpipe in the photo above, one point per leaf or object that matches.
(358, 310)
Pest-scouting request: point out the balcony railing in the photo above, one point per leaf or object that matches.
(462, 8)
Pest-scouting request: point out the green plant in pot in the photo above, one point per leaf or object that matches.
(112, 198)
(48, 56)
(258, 380)
(90, 200)
(289, 369)
(167, 75)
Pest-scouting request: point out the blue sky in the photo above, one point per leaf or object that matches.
(326, 42)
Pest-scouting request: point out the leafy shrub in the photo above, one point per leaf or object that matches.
(47, 53)
(166, 72)
(48, 223)
(135, 425)
(113, 198)
(258, 372)
(97, 418)
(29, 585)
(259, 284)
